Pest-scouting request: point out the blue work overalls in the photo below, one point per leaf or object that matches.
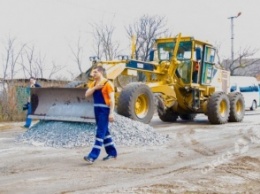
(103, 136)
(28, 120)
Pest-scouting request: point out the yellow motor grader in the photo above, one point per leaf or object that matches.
(181, 80)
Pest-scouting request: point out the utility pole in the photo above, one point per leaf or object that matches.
(232, 35)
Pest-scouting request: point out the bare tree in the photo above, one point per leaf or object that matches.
(30, 63)
(11, 57)
(35, 65)
(6, 59)
(14, 61)
(39, 61)
(244, 64)
(78, 54)
(104, 43)
(97, 41)
(146, 29)
(10, 60)
(55, 69)
(30, 57)
(71, 75)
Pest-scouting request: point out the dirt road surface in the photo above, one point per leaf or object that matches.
(199, 158)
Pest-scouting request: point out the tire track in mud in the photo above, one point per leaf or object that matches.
(152, 179)
(245, 167)
(143, 176)
(188, 140)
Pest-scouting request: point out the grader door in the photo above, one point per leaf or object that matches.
(207, 71)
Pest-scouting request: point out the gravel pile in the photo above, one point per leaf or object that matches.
(71, 134)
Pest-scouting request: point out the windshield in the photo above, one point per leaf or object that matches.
(184, 54)
(184, 51)
(165, 50)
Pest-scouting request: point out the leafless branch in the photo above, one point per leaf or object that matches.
(146, 29)
(55, 69)
(77, 54)
(105, 44)
(244, 64)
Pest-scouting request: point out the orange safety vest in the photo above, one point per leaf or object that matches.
(106, 90)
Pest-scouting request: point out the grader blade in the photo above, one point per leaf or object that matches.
(61, 104)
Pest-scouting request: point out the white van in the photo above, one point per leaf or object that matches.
(248, 86)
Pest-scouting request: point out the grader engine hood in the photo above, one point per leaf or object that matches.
(140, 65)
(114, 70)
(220, 80)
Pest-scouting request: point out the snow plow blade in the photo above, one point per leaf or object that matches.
(61, 104)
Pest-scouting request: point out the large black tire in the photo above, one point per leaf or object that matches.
(237, 107)
(136, 101)
(218, 108)
(168, 115)
(188, 117)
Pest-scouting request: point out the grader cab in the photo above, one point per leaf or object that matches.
(181, 80)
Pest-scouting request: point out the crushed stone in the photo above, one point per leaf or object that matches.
(60, 134)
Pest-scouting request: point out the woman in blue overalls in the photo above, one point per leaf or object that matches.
(103, 95)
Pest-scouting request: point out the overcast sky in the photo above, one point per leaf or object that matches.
(52, 25)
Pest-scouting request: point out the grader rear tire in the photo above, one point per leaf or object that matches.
(136, 102)
(218, 108)
(168, 116)
(237, 107)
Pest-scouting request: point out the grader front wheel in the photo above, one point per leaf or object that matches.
(218, 108)
(136, 102)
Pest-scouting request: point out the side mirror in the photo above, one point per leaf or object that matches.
(151, 55)
(198, 53)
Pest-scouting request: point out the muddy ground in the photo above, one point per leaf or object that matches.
(199, 158)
